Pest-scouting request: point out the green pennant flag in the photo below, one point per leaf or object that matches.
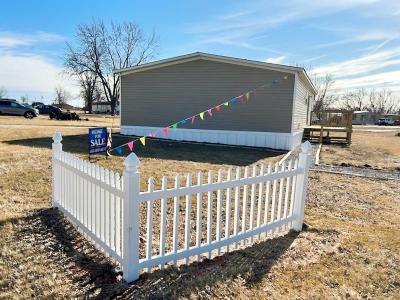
(174, 126)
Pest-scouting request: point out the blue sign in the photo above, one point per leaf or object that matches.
(97, 140)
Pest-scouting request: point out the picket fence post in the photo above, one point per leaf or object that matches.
(301, 185)
(130, 218)
(56, 148)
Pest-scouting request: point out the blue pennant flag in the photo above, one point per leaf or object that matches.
(119, 150)
(233, 101)
(183, 121)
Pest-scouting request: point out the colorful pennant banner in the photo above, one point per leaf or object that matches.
(245, 96)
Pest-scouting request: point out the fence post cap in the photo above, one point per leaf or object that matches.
(306, 147)
(57, 137)
(132, 161)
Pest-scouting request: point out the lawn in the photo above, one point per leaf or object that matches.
(350, 249)
(374, 147)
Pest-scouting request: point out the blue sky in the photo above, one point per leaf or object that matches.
(357, 41)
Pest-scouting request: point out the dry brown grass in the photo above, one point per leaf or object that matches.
(379, 150)
(350, 251)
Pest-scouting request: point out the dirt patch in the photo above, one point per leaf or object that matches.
(379, 150)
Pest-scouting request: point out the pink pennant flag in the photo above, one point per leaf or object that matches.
(130, 145)
(152, 134)
(193, 119)
(241, 98)
(218, 107)
(165, 130)
(209, 112)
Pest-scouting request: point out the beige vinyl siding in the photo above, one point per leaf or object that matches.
(162, 96)
(302, 99)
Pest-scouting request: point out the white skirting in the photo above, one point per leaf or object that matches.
(275, 140)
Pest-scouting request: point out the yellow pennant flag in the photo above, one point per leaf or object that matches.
(226, 103)
(202, 115)
(247, 95)
(143, 140)
(286, 77)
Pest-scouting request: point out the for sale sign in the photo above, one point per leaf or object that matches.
(97, 140)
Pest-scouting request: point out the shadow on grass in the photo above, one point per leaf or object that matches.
(98, 277)
(250, 264)
(165, 149)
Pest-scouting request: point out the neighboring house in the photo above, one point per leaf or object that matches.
(157, 94)
(364, 117)
(104, 107)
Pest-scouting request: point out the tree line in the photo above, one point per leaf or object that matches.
(378, 101)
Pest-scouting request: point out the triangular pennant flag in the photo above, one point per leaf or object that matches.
(130, 145)
(248, 96)
(143, 140)
(152, 134)
(233, 101)
(241, 98)
(193, 119)
(209, 112)
(201, 115)
(165, 130)
(183, 121)
(119, 150)
(109, 140)
(286, 77)
(218, 107)
(174, 126)
(226, 103)
(254, 92)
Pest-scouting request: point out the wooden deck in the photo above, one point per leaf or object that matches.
(332, 126)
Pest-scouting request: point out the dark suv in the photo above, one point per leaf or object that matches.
(13, 108)
(48, 110)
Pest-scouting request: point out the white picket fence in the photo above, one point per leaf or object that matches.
(180, 223)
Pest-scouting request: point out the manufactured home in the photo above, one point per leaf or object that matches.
(161, 93)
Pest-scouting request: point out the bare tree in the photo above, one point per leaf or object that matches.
(324, 97)
(62, 96)
(3, 92)
(24, 99)
(382, 102)
(354, 100)
(88, 84)
(100, 49)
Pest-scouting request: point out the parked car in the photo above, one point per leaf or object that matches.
(385, 122)
(12, 107)
(397, 122)
(64, 115)
(48, 109)
(36, 104)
